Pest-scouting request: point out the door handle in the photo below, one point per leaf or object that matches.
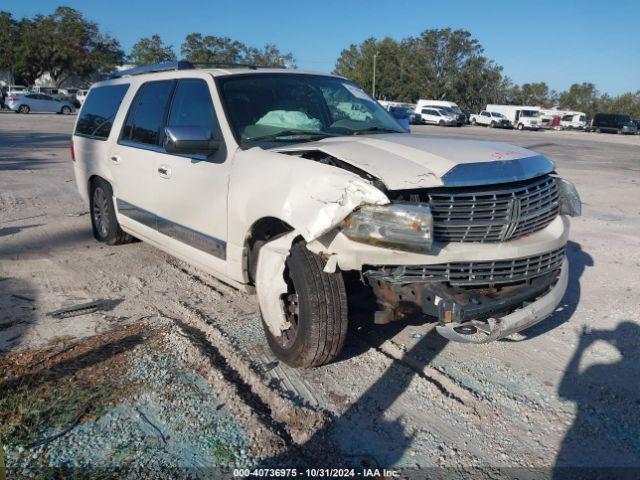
(116, 159)
(164, 172)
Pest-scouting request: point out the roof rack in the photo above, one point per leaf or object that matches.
(156, 67)
(180, 65)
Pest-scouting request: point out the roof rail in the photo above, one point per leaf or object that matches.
(231, 64)
(156, 67)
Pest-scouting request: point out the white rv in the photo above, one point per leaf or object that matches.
(522, 117)
(569, 119)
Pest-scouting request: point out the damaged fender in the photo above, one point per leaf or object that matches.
(311, 197)
(270, 283)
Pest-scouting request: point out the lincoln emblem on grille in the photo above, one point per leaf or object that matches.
(513, 217)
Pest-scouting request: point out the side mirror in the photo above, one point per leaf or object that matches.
(189, 140)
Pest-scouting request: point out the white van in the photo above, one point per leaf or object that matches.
(437, 103)
(521, 116)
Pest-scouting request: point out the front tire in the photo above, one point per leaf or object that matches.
(104, 223)
(520, 126)
(316, 308)
(441, 123)
(65, 110)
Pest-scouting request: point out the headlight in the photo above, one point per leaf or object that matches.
(407, 226)
(570, 203)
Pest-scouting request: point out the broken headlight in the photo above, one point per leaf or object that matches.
(407, 226)
(569, 199)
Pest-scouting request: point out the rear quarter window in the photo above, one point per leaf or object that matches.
(99, 110)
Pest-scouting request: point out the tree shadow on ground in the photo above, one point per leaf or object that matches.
(364, 436)
(604, 440)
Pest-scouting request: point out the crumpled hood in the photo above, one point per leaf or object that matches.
(406, 161)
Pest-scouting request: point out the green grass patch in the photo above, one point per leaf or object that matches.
(30, 412)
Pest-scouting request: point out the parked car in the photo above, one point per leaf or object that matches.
(403, 115)
(491, 119)
(574, 121)
(613, 122)
(38, 102)
(265, 179)
(467, 115)
(449, 109)
(437, 116)
(16, 90)
(637, 122)
(521, 117)
(81, 95)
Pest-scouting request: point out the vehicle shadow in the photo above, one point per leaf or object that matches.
(604, 440)
(579, 261)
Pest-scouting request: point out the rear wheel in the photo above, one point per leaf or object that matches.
(493, 124)
(315, 307)
(65, 110)
(24, 109)
(106, 228)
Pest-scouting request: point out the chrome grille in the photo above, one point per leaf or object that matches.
(491, 214)
(475, 273)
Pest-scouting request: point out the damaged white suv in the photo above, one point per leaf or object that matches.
(280, 181)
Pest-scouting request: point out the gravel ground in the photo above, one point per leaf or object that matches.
(556, 395)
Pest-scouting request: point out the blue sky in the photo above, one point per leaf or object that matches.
(560, 42)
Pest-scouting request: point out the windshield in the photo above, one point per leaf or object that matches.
(529, 113)
(285, 107)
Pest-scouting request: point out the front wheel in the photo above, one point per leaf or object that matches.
(441, 123)
(473, 121)
(315, 307)
(106, 228)
(520, 126)
(65, 110)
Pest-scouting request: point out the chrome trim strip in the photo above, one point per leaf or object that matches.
(500, 171)
(138, 214)
(201, 241)
(158, 149)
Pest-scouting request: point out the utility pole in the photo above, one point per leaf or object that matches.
(375, 56)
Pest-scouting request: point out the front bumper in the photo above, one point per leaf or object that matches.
(520, 319)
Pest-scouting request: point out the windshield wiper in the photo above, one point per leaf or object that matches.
(374, 129)
(285, 134)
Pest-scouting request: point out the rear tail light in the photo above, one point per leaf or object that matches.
(12, 99)
(73, 153)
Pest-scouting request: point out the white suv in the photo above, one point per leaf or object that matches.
(279, 182)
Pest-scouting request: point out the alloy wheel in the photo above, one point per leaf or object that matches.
(100, 212)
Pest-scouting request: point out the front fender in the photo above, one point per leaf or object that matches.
(310, 196)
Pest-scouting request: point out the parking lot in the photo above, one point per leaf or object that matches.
(562, 393)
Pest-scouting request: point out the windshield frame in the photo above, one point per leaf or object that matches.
(246, 144)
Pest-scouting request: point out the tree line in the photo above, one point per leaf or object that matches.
(450, 64)
(66, 45)
(436, 64)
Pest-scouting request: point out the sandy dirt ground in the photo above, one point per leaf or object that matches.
(564, 393)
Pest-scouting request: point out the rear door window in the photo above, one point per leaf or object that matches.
(192, 107)
(99, 110)
(147, 113)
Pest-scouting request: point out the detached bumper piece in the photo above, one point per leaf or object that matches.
(480, 309)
